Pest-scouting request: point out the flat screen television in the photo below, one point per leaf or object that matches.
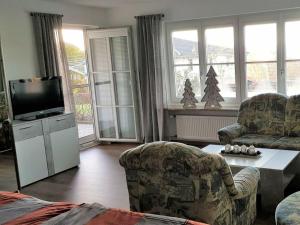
(33, 98)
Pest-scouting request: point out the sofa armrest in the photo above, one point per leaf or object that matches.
(230, 132)
(246, 182)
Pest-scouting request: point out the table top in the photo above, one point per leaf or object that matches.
(273, 159)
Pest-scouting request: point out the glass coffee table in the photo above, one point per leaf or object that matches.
(277, 168)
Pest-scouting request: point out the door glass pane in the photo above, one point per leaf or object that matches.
(103, 93)
(219, 45)
(226, 79)
(293, 78)
(292, 37)
(99, 53)
(187, 72)
(261, 78)
(185, 47)
(261, 42)
(126, 122)
(83, 111)
(123, 89)
(106, 122)
(119, 53)
(101, 77)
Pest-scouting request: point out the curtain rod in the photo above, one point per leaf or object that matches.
(45, 14)
(162, 15)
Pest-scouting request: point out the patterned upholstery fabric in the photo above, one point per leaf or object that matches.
(263, 114)
(178, 180)
(267, 120)
(292, 116)
(288, 211)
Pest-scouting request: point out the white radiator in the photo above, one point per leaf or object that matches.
(202, 128)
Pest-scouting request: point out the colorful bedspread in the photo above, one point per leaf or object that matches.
(22, 209)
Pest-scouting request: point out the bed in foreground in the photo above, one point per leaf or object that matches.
(23, 209)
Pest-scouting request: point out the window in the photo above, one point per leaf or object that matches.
(292, 57)
(220, 54)
(251, 54)
(186, 60)
(261, 58)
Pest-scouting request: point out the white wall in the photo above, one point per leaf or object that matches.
(176, 10)
(16, 32)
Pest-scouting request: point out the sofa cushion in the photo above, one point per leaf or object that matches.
(263, 114)
(288, 211)
(258, 140)
(292, 143)
(292, 116)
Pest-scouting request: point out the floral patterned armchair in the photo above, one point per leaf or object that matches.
(178, 180)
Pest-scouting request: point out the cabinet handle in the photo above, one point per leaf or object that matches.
(25, 128)
(60, 119)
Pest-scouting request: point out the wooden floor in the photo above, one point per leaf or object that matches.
(99, 178)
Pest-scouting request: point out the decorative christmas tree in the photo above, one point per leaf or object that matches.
(188, 100)
(212, 96)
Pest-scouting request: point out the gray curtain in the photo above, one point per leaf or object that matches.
(51, 50)
(47, 30)
(150, 75)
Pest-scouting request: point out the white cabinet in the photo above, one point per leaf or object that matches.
(45, 147)
(31, 158)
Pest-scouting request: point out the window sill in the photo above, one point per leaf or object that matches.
(226, 107)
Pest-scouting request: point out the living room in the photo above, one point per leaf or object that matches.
(149, 112)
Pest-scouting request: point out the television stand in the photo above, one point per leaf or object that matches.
(45, 147)
(42, 116)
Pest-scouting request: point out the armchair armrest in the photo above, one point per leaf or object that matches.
(230, 132)
(246, 182)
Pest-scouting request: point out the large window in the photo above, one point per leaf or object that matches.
(220, 54)
(186, 60)
(251, 54)
(292, 56)
(261, 58)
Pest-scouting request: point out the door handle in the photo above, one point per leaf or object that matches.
(58, 120)
(25, 128)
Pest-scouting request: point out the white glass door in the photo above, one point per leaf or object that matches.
(110, 65)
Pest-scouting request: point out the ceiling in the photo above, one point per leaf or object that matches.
(109, 3)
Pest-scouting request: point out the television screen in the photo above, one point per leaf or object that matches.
(34, 97)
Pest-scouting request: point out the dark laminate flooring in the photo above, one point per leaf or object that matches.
(8, 180)
(99, 178)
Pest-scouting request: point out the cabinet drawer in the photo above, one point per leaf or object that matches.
(61, 123)
(28, 130)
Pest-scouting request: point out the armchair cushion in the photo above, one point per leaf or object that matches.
(292, 118)
(227, 134)
(258, 140)
(288, 211)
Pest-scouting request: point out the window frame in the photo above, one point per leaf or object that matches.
(238, 23)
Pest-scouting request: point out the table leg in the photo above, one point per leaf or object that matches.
(272, 189)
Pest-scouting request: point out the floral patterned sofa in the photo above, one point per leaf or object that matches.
(266, 120)
(4, 124)
(178, 180)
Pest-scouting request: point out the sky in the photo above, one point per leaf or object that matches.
(74, 37)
